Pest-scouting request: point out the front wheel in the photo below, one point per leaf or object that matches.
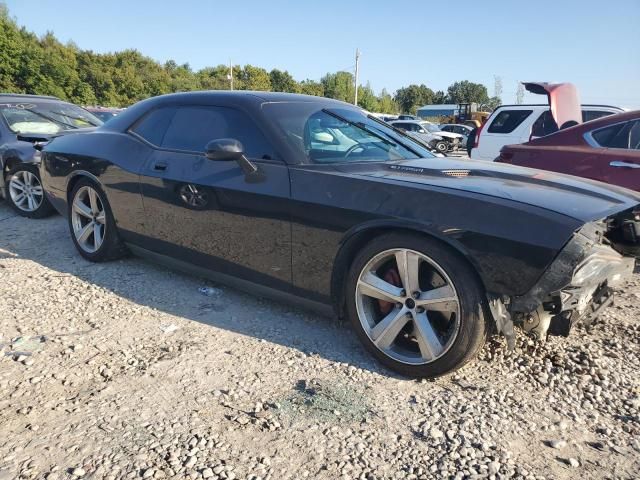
(442, 147)
(91, 222)
(415, 305)
(25, 193)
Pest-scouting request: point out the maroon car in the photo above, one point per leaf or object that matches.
(606, 149)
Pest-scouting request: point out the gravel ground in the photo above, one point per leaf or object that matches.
(127, 370)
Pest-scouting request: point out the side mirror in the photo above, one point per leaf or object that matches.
(225, 149)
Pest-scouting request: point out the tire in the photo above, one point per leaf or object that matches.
(25, 193)
(442, 147)
(95, 218)
(460, 332)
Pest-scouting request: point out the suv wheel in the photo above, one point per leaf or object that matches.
(415, 305)
(25, 193)
(442, 147)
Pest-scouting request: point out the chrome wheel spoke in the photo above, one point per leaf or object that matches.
(385, 332)
(97, 236)
(82, 209)
(93, 201)
(408, 263)
(17, 184)
(373, 286)
(428, 341)
(37, 190)
(438, 296)
(84, 233)
(101, 218)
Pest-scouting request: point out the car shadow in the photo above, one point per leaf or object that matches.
(47, 243)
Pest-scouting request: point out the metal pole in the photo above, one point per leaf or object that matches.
(231, 73)
(355, 100)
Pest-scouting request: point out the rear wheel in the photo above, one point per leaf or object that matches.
(415, 305)
(25, 193)
(91, 223)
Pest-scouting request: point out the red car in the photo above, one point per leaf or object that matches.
(606, 149)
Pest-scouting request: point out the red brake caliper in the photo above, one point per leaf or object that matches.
(393, 277)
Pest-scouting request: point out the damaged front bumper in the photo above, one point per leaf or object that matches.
(575, 287)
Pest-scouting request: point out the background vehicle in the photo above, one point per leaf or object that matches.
(511, 124)
(293, 195)
(104, 113)
(25, 121)
(448, 141)
(607, 149)
(458, 128)
(408, 117)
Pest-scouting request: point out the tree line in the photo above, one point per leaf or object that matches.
(45, 66)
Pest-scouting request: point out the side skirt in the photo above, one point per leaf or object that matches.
(240, 284)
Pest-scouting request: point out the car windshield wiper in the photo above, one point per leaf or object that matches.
(362, 126)
(51, 119)
(75, 118)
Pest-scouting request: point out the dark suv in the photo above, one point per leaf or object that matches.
(25, 122)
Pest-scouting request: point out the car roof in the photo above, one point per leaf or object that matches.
(546, 105)
(26, 96)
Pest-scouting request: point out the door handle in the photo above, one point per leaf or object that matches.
(160, 166)
(618, 163)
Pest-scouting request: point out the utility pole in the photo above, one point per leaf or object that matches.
(230, 76)
(355, 100)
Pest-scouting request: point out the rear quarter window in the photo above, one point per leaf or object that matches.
(588, 115)
(508, 120)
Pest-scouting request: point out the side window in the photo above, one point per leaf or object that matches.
(616, 136)
(588, 115)
(402, 126)
(154, 124)
(508, 120)
(634, 136)
(544, 125)
(193, 127)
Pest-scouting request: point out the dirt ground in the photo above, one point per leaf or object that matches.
(127, 370)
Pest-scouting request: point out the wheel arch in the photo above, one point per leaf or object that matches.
(75, 177)
(360, 235)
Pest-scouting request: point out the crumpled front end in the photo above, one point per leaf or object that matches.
(576, 287)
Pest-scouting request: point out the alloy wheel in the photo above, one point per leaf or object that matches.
(88, 218)
(26, 190)
(415, 322)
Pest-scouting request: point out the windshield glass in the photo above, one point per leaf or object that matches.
(46, 117)
(430, 127)
(337, 135)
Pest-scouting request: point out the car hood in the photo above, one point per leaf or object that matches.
(578, 198)
(563, 99)
(46, 137)
(444, 134)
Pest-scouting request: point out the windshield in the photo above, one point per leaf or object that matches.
(46, 117)
(430, 127)
(338, 135)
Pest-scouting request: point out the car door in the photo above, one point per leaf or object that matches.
(210, 213)
(621, 153)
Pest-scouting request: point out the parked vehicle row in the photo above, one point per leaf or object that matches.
(25, 121)
(313, 199)
(440, 140)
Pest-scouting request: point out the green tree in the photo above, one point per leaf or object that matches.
(311, 87)
(410, 98)
(367, 99)
(339, 85)
(283, 82)
(386, 103)
(467, 92)
(254, 78)
(439, 98)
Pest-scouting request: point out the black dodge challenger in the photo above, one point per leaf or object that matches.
(308, 198)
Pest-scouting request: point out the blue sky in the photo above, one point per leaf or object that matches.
(592, 44)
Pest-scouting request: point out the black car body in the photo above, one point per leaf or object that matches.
(26, 121)
(294, 213)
